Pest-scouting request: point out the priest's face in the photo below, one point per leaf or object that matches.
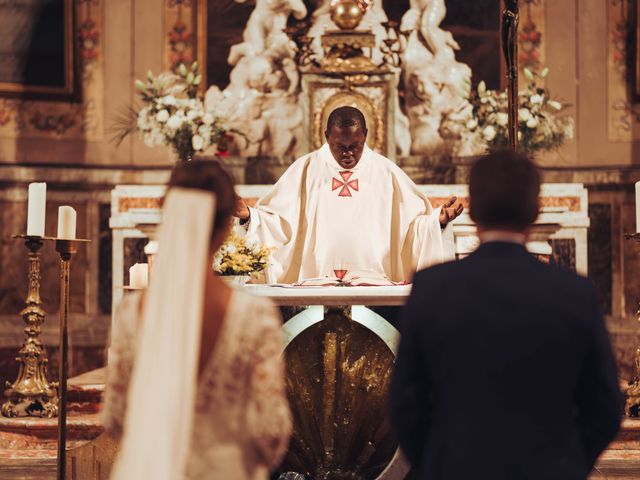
(346, 144)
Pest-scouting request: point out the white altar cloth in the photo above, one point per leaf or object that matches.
(333, 296)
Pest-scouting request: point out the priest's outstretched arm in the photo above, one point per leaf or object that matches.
(277, 221)
(428, 237)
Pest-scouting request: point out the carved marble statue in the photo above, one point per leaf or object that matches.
(261, 100)
(267, 19)
(436, 85)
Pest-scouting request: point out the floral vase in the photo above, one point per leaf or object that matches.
(235, 281)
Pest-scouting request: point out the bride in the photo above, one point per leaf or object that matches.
(195, 383)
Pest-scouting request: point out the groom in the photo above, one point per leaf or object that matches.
(518, 380)
(345, 207)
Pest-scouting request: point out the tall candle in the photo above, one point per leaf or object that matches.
(36, 209)
(139, 275)
(638, 207)
(66, 223)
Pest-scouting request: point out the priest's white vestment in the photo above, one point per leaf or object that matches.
(320, 217)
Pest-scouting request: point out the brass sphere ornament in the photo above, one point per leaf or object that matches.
(347, 14)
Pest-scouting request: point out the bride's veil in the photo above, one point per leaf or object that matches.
(161, 398)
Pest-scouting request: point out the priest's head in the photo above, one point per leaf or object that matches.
(208, 175)
(504, 187)
(346, 135)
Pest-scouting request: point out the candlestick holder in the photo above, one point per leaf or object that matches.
(632, 405)
(32, 394)
(66, 249)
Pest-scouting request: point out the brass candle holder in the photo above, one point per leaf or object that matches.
(66, 249)
(32, 394)
(632, 404)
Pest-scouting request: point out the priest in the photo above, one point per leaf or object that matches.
(347, 208)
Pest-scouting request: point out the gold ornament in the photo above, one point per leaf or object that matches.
(347, 14)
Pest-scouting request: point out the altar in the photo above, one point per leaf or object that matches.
(339, 360)
(560, 230)
(339, 352)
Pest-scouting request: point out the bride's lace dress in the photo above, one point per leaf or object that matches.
(242, 421)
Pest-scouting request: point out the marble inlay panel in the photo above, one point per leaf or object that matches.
(600, 254)
(129, 203)
(564, 252)
(105, 254)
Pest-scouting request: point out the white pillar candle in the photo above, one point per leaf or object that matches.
(139, 275)
(66, 223)
(36, 207)
(638, 207)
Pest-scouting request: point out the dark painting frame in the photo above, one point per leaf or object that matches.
(42, 64)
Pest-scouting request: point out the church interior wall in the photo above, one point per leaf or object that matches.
(69, 146)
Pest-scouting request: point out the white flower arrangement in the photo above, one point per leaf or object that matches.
(237, 256)
(173, 114)
(540, 127)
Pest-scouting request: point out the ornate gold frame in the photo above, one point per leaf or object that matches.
(71, 81)
(378, 139)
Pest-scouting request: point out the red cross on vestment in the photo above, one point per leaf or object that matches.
(346, 184)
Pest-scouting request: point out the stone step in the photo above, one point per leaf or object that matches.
(25, 433)
(84, 392)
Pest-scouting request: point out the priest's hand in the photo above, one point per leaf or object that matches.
(450, 211)
(242, 210)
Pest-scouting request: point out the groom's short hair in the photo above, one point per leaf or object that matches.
(504, 187)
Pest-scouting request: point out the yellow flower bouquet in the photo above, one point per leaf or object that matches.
(237, 256)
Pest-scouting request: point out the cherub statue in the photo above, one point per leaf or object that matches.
(268, 18)
(436, 85)
(261, 100)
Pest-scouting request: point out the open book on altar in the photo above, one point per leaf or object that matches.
(350, 278)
